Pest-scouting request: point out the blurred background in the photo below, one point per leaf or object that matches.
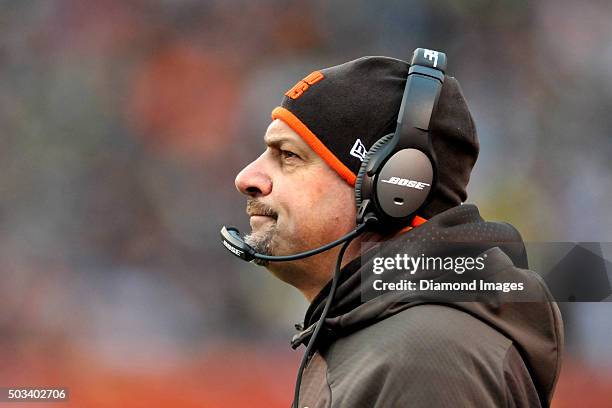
(124, 123)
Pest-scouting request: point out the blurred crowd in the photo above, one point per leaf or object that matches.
(124, 123)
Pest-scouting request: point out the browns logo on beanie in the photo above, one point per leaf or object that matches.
(341, 111)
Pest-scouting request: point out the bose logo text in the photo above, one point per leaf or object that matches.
(406, 183)
(234, 250)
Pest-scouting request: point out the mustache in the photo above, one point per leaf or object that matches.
(255, 207)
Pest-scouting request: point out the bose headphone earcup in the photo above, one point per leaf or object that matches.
(358, 182)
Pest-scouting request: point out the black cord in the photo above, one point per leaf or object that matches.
(311, 342)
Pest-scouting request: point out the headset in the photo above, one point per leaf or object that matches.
(399, 173)
(395, 181)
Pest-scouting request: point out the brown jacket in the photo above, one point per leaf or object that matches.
(424, 352)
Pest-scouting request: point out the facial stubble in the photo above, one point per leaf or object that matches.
(261, 242)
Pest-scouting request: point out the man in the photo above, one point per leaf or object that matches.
(381, 352)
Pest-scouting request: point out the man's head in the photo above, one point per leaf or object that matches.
(296, 202)
(334, 116)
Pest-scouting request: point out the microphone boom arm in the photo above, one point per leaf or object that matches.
(234, 243)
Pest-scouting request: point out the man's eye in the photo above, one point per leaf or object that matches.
(286, 154)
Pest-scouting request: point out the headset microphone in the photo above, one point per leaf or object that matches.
(233, 242)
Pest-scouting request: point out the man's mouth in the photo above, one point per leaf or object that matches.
(262, 216)
(258, 221)
(257, 209)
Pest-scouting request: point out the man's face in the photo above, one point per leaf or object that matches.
(295, 200)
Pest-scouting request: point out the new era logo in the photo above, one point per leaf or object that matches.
(359, 150)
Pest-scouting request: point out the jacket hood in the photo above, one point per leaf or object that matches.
(535, 327)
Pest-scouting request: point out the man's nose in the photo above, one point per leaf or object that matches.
(253, 180)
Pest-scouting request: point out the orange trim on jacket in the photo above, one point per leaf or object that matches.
(416, 221)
